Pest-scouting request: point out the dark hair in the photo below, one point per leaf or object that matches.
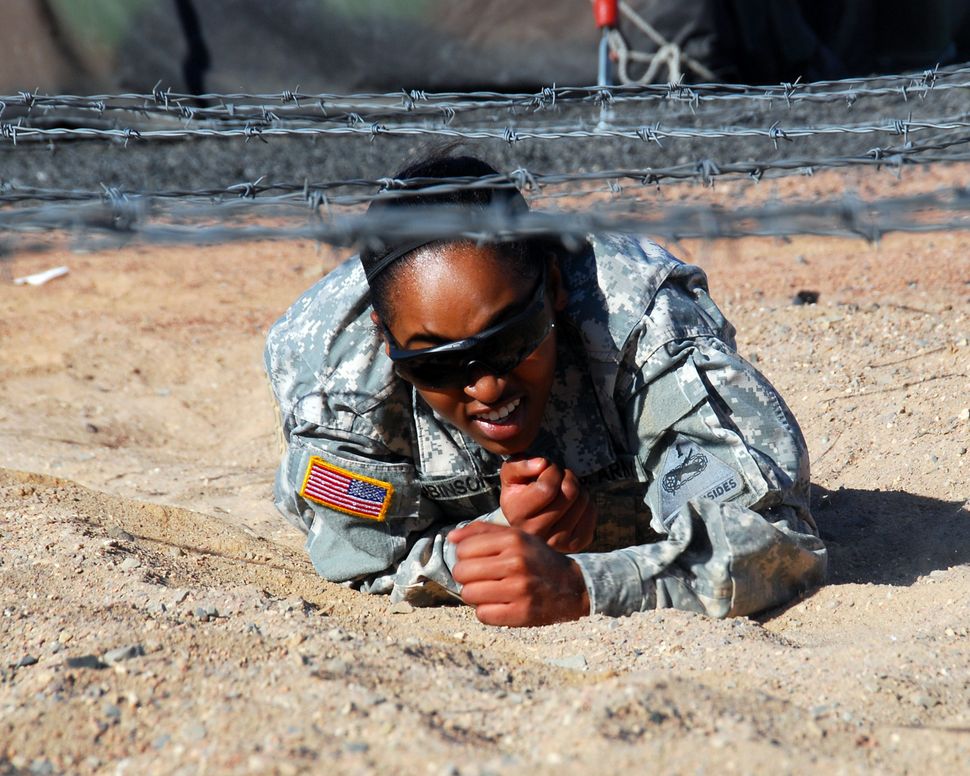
(385, 261)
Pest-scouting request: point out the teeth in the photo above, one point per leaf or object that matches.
(501, 412)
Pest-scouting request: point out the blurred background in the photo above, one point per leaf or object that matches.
(343, 45)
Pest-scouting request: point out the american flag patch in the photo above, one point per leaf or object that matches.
(345, 491)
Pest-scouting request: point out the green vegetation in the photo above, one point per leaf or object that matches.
(99, 23)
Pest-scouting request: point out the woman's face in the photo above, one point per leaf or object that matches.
(455, 291)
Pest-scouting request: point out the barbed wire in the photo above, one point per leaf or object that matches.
(278, 104)
(655, 133)
(706, 170)
(125, 220)
(312, 210)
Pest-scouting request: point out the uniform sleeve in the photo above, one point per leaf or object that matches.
(402, 552)
(728, 490)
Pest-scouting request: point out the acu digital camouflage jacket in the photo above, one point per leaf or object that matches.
(698, 469)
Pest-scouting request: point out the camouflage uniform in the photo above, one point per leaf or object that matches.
(698, 470)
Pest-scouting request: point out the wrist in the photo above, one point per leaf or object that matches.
(581, 592)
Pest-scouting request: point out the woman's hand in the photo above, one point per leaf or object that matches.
(513, 578)
(543, 500)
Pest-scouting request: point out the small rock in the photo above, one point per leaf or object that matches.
(818, 712)
(26, 660)
(176, 552)
(921, 699)
(401, 607)
(337, 667)
(195, 732)
(112, 712)
(119, 533)
(211, 611)
(574, 662)
(964, 414)
(180, 596)
(356, 746)
(124, 653)
(295, 604)
(41, 767)
(85, 661)
(160, 742)
(130, 563)
(201, 613)
(805, 297)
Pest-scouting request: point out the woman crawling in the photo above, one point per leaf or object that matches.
(540, 433)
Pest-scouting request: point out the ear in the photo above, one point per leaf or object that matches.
(380, 330)
(560, 296)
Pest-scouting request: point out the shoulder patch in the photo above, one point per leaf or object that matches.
(345, 491)
(689, 471)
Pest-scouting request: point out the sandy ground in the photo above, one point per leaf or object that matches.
(159, 617)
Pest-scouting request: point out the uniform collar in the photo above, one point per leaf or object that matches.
(574, 433)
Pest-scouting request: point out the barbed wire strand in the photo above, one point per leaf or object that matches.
(124, 220)
(655, 133)
(183, 104)
(707, 171)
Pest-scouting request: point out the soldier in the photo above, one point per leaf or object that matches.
(539, 433)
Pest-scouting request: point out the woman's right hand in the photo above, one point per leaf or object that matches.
(544, 500)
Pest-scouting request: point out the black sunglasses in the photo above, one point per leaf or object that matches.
(497, 350)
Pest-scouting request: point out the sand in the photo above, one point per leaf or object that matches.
(160, 617)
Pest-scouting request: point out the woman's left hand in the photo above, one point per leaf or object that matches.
(513, 578)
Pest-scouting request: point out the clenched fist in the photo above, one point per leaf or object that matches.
(513, 578)
(543, 500)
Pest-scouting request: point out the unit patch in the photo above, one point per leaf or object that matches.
(690, 471)
(346, 491)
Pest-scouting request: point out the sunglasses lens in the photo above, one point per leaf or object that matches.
(499, 354)
(504, 353)
(433, 372)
